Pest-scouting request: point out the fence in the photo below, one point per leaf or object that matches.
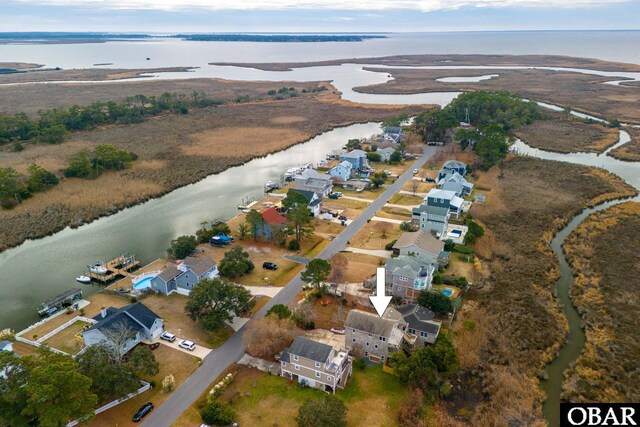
(38, 345)
(146, 386)
(64, 326)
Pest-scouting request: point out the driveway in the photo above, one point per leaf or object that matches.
(200, 351)
(374, 252)
(233, 349)
(391, 220)
(267, 291)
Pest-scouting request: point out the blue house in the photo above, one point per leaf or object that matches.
(455, 182)
(272, 220)
(185, 276)
(447, 199)
(357, 158)
(342, 171)
(450, 167)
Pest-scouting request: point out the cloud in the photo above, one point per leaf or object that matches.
(362, 5)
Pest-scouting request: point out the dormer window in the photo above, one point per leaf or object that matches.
(295, 357)
(317, 364)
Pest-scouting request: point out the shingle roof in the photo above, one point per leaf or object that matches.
(306, 193)
(404, 265)
(170, 273)
(134, 317)
(272, 216)
(346, 164)
(313, 350)
(313, 174)
(5, 344)
(199, 265)
(454, 164)
(424, 241)
(370, 322)
(420, 318)
(354, 154)
(436, 193)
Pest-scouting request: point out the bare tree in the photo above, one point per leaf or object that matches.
(117, 338)
(339, 264)
(269, 335)
(383, 228)
(414, 186)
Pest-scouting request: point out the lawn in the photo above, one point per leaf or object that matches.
(405, 200)
(180, 365)
(458, 266)
(420, 186)
(395, 213)
(394, 169)
(171, 309)
(370, 236)
(360, 267)
(68, 339)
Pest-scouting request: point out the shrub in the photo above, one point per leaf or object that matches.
(389, 245)
(374, 157)
(359, 364)
(407, 226)
(217, 414)
(437, 279)
(449, 245)
(461, 249)
(294, 245)
(280, 310)
(435, 301)
(182, 247)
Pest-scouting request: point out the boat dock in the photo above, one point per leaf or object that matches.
(118, 267)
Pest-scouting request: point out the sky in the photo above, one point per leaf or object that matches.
(167, 16)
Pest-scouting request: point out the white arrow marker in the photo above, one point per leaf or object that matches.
(380, 301)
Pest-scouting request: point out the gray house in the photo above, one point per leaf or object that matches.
(316, 365)
(452, 166)
(444, 199)
(432, 219)
(374, 337)
(357, 158)
(406, 276)
(311, 180)
(456, 183)
(420, 244)
(385, 153)
(135, 320)
(185, 276)
(393, 133)
(421, 328)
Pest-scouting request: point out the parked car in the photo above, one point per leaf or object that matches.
(359, 189)
(333, 196)
(430, 180)
(338, 193)
(269, 265)
(168, 336)
(342, 218)
(415, 171)
(143, 411)
(187, 345)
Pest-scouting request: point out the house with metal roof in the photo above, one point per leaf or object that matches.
(420, 244)
(431, 219)
(312, 180)
(123, 328)
(445, 199)
(316, 364)
(421, 327)
(456, 183)
(406, 276)
(357, 158)
(374, 337)
(452, 166)
(182, 278)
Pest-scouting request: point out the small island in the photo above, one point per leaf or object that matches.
(278, 38)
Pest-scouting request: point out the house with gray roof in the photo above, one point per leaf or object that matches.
(374, 337)
(316, 364)
(406, 276)
(312, 180)
(357, 158)
(314, 202)
(342, 171)
(421, 328)
(393, 133)
(123, 327)
(420, 244)
(452, 166)
(456, 183)
(385, 153)
(182, 278)
(432, 219)
(445, 199)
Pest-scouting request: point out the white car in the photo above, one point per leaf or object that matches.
(359, 189)
(415, 171)
(187, 345)
(168, 336)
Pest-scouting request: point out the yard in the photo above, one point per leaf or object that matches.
(394, 213)
(371, 235)
(180, 365)
(69, 339)
(349, 207)
(405, 200)
(360, 267)
(398, 169)
(418, 186)
(329, 312)
(372, 397)
(458, 266)
(171, 310)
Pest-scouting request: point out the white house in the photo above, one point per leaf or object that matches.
(136, 320)
(312, 180)
(314, 202)
(342, 171)
(385, 153)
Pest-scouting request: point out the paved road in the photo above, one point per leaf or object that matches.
(233, 349)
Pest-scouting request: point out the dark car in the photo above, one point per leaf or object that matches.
(269, 266)
(342, 218)
(333, 196)
(430, 180)
(144, 410)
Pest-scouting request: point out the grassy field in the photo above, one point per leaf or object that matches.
(68, 339)
(371, 235)
(260, 399)
(173, 150)
(405, 199)
(631, 150)
(606, 295)
(568, 135)
(360, 267)
(517, 298)
(180, 365)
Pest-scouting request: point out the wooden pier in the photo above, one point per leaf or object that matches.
(118, 267)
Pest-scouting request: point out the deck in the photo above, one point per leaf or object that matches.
(116, 269)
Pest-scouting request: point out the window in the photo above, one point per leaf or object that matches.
(366, 354)
(353, 339)
(317, 374)
(375, 346)
(297, 367)
(329, 378)
(382, 358)
(383, 339)
(295, 357)
(284, 364)
(424, 334)
(369, 334)
(317, 364)
(367, 344)
(412, 331)
(353, 330)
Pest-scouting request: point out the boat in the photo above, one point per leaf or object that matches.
(98, 268)
(83, 279)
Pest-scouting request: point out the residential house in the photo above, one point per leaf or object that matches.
(456, 183)
(393, 133)
(431, 219)
(445, 199)
(182, 278)
(314, 202)
(406, 276)
(357, 158)
(374, 337)
(452, 166)
(420, 244)
(421, 328)
(385, 153)
(316, 365)
(124, 327)
(342, 171)
(272, 220)
(312, 180)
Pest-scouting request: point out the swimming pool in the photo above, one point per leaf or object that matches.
(143, 284)
(447, 292)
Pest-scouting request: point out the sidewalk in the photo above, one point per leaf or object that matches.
(375, 252)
